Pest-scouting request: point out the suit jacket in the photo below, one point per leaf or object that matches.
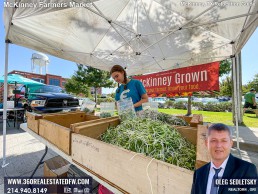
(235, 168)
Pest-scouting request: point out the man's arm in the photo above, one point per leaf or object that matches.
(254, 102)
(251, 171)
(143, 100)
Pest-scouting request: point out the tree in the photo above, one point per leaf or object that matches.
(224, 67)
(93, 77)
(226, 87)
(75, 87)
(226, 84)
(253, 83)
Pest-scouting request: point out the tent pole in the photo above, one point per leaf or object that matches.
(235, 100)
(239, 87)
(5, 104)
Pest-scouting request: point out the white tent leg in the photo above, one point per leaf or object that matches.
(239, 87)
(5, 104)
(235, 100)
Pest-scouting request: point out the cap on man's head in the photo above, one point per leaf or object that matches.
(252, 89)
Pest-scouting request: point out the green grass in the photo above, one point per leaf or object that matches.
(250, 120)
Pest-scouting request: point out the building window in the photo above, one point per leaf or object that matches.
(38, 80)
(55, 82)
(63, 83)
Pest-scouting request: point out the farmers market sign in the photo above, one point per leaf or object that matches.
(182, 81)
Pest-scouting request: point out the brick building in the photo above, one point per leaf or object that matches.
(48, 79)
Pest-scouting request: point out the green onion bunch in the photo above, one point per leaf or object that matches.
(154, 139)
(105, 114)
(126, 114)
(166, 118)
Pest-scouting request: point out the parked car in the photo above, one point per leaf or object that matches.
(47, 98)
(160, 100)
(207, 100)
(181, 100)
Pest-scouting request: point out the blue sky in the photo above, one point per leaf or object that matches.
(20, 58)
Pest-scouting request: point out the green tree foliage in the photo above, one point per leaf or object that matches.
(93, 77)
(251, 84)
(75, 87)
(254, 83)
(225, 84)
(225, 67)
(226, 87)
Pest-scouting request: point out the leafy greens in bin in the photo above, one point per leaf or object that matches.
(105, 114)
(166, 118)
(154, 139)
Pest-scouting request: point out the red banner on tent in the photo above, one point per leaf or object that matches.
(182, 81)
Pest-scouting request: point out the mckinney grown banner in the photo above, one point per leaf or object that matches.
(182, 81)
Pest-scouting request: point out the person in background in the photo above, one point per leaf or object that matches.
(250, 99)
(223, 164)
(128, 87)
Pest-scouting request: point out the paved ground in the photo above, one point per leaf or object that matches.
(24, 152)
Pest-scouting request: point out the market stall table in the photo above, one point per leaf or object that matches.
(15, 110)
(65, 156)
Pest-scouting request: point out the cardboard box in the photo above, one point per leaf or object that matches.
(56, 167)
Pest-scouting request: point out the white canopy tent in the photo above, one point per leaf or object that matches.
(143, 35)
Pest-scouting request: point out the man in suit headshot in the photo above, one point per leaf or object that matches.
(223, 164)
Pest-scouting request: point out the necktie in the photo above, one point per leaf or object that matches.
(214, 188)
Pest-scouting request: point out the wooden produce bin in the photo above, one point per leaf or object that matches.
(190, 133)
(202, 154)
(197, 137)
(60, 117)
(57, 128)
(125, 170)
(33, 121)
(193, 120)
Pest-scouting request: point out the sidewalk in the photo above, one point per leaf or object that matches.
(23, 152)
(248, 138)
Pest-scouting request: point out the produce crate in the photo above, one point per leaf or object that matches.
(33, 121)
(202, 155)
(125, 170)
(57, 128)
(255, 111)
(33, 118)
(190, 133)
(95, 128)
(197, 137)
(193, 120)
